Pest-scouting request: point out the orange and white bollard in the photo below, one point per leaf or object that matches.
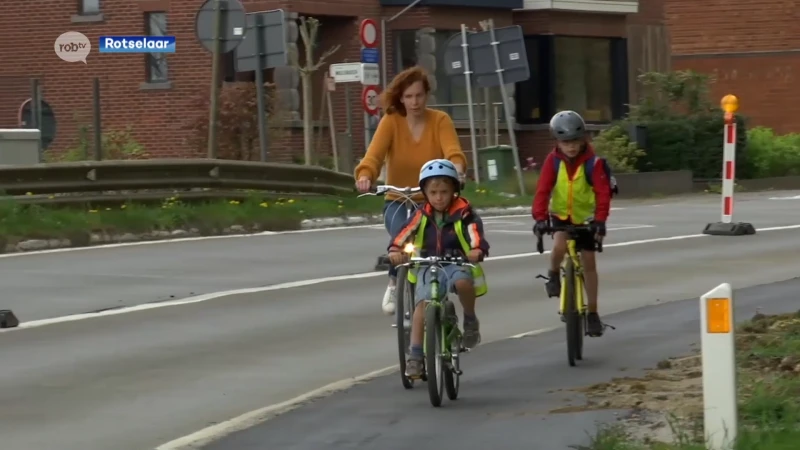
(726, 226)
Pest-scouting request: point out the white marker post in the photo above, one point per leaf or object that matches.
(719, 367)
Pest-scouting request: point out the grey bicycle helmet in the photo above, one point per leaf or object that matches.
(567, 126)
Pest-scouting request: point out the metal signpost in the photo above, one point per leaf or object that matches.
(498, 58)
(264, 47)
(219, 26)
(370, 54)
(368, 74)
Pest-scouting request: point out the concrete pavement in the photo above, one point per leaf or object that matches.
(507, 393)
(139, 379)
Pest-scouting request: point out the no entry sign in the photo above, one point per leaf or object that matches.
(368, 33)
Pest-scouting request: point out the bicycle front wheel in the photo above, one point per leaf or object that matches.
(433, 354)
(571, 314)
(404, 313)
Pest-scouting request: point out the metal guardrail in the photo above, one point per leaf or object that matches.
(60, 182)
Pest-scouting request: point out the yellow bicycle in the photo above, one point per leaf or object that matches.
(573, 308)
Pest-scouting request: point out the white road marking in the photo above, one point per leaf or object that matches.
(795, 197)
(303, 283)
(205, 436)
(621, 227)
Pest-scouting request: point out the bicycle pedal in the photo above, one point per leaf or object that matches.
(394, 325)
(458, 372)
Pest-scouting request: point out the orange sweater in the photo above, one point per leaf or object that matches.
(394, 145)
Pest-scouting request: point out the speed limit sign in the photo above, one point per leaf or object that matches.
(370, 99)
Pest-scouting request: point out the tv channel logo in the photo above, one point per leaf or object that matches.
(73, 47)
(137, 44)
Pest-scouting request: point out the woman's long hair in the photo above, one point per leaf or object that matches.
(390, 99)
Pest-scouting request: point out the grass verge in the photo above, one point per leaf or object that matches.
(768, 369)
(20, 222)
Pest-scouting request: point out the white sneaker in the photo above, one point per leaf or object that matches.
(388, 301)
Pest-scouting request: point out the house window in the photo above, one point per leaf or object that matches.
(88, 7)
(586, 75)
(156, 63)
(583, 77)
(451, 97)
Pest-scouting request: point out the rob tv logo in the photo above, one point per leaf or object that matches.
(73, 47)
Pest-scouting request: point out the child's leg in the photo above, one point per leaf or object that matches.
(461, 280)
(589, 260)
(553, 285)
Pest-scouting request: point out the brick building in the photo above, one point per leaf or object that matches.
(582, 54)
(752, 49)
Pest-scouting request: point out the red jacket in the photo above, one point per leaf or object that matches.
(548, 176)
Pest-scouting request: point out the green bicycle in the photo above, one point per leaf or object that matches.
(443, 338)
(573, 294)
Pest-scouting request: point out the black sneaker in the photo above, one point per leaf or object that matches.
(595, 327)
(553, 285)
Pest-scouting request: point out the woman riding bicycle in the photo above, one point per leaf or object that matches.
(408, 136)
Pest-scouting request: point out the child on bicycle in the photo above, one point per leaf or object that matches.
(449, 227)
(565, 195)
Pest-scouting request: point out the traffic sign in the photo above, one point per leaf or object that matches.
(369, 97)
(370, 55)
(368, 74)
(368, 32)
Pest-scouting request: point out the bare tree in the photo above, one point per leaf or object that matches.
(309, 28)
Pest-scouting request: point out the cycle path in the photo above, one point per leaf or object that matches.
(508, 391)
(140, 379)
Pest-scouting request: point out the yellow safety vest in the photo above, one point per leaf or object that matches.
(572, 198)
(479, 279)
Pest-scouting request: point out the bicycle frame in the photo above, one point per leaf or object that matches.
(580, 292)
(450, 331)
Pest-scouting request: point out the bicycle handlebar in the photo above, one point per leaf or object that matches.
(569, 228)
(384, 188)
(438, 260)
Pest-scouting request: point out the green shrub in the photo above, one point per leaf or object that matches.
(771, 155)
(614, 145)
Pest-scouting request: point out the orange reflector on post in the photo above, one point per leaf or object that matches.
(718, 315)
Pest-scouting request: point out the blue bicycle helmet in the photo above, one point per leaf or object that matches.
(439, 168)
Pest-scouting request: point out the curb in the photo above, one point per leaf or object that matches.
(330, 222)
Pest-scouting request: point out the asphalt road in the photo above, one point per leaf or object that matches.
(508, 392)
(139, 379)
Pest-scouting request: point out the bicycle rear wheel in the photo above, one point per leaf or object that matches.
(404, 312)
(434, 366)
(571, 314)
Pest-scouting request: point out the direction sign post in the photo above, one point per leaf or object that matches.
(484, 52)
(264, 47)
(511, 134)
(219, 26)
(467, 79)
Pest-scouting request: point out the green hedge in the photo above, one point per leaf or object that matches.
(693, 143)
(771, 155)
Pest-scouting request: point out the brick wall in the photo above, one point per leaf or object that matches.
(751, 48)
(157, 115)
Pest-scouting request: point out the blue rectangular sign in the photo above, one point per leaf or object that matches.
(137, 44)
(370, 55)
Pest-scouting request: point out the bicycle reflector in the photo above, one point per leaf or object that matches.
(718, 315)
(409, 248)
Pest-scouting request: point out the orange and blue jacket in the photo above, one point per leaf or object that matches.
(443, 241)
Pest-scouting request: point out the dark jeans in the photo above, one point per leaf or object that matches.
(395, 216)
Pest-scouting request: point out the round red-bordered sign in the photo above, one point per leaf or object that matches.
(370, 98)
(368, 32)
